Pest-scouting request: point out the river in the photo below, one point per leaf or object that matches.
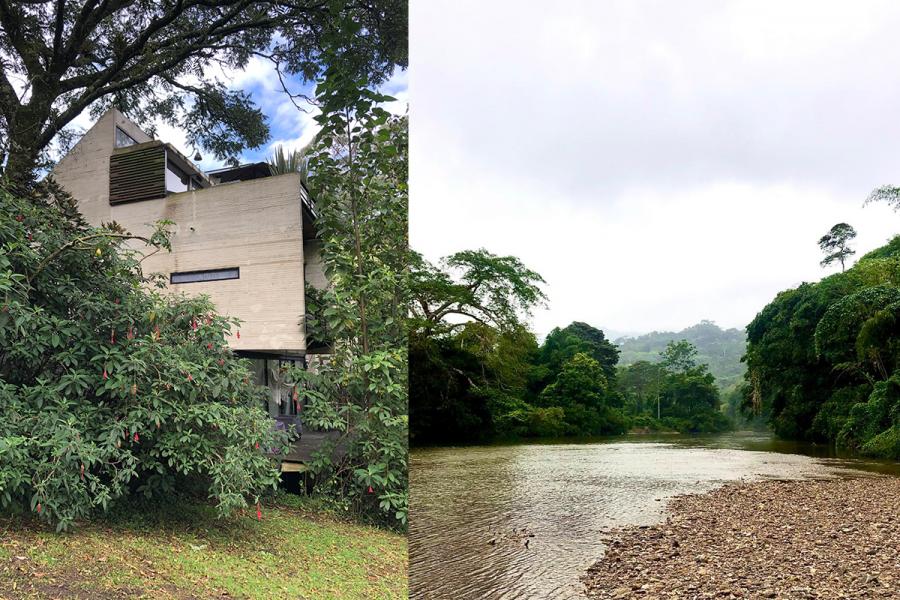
(472, 509)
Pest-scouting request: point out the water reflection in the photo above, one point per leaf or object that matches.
(473, 509)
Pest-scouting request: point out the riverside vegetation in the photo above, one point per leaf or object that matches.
(824, 358)
(821, 361)
(486, 377)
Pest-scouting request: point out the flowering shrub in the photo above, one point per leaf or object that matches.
(109, 388)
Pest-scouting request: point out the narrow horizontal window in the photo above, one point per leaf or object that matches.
(210, 275)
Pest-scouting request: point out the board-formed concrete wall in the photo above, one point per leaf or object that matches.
(84, 171)
(315, 268)
(255, 225)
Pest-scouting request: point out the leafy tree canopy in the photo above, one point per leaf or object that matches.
(835, 244)
(580, 381)
(679, 357)
(158, 60)
(470, 355)
(562, 344)
(472, 285)
(889, 194)
(821, 357)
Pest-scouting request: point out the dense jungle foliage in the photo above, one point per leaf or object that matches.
(477, 373)
(720, 349)
(824, 358)
(110, 390)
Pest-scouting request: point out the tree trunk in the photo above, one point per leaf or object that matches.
(21, 168)
(30, 133)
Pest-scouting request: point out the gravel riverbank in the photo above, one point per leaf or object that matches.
(772, 539)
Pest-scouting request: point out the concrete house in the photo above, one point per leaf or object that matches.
(242, 236)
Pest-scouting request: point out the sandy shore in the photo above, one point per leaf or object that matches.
(776, 539)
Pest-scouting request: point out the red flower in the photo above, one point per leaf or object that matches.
(194, 324)
(209, 346)
(20, 218)
(239, 335)
(257, 445)
(258, 512)
(39, 508)
(370, 490)
(137, 438)
(221, 362)
(105, 376)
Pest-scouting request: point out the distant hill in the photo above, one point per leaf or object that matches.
(721, 349)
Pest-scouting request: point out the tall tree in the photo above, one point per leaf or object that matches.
(679, 357)
(359, 171)
(472, 285)
(158, 60)
(582, 391)
(640, 384)
(470, 354)
(836, 244)
(562, 344)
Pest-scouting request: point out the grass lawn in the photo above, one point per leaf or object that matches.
(183, 551)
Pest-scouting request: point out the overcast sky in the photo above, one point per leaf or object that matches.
(658, 163)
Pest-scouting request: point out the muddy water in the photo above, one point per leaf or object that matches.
(474, 508)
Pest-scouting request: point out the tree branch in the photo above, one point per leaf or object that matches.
(43, 264)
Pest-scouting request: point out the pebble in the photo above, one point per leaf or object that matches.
(773, 539)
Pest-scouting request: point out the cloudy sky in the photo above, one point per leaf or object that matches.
(658, 163)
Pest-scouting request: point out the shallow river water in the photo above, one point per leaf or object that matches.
(473, 508)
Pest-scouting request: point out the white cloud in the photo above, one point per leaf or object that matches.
(304, 132)
(658, 163)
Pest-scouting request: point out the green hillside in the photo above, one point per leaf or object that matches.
(721, 349)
